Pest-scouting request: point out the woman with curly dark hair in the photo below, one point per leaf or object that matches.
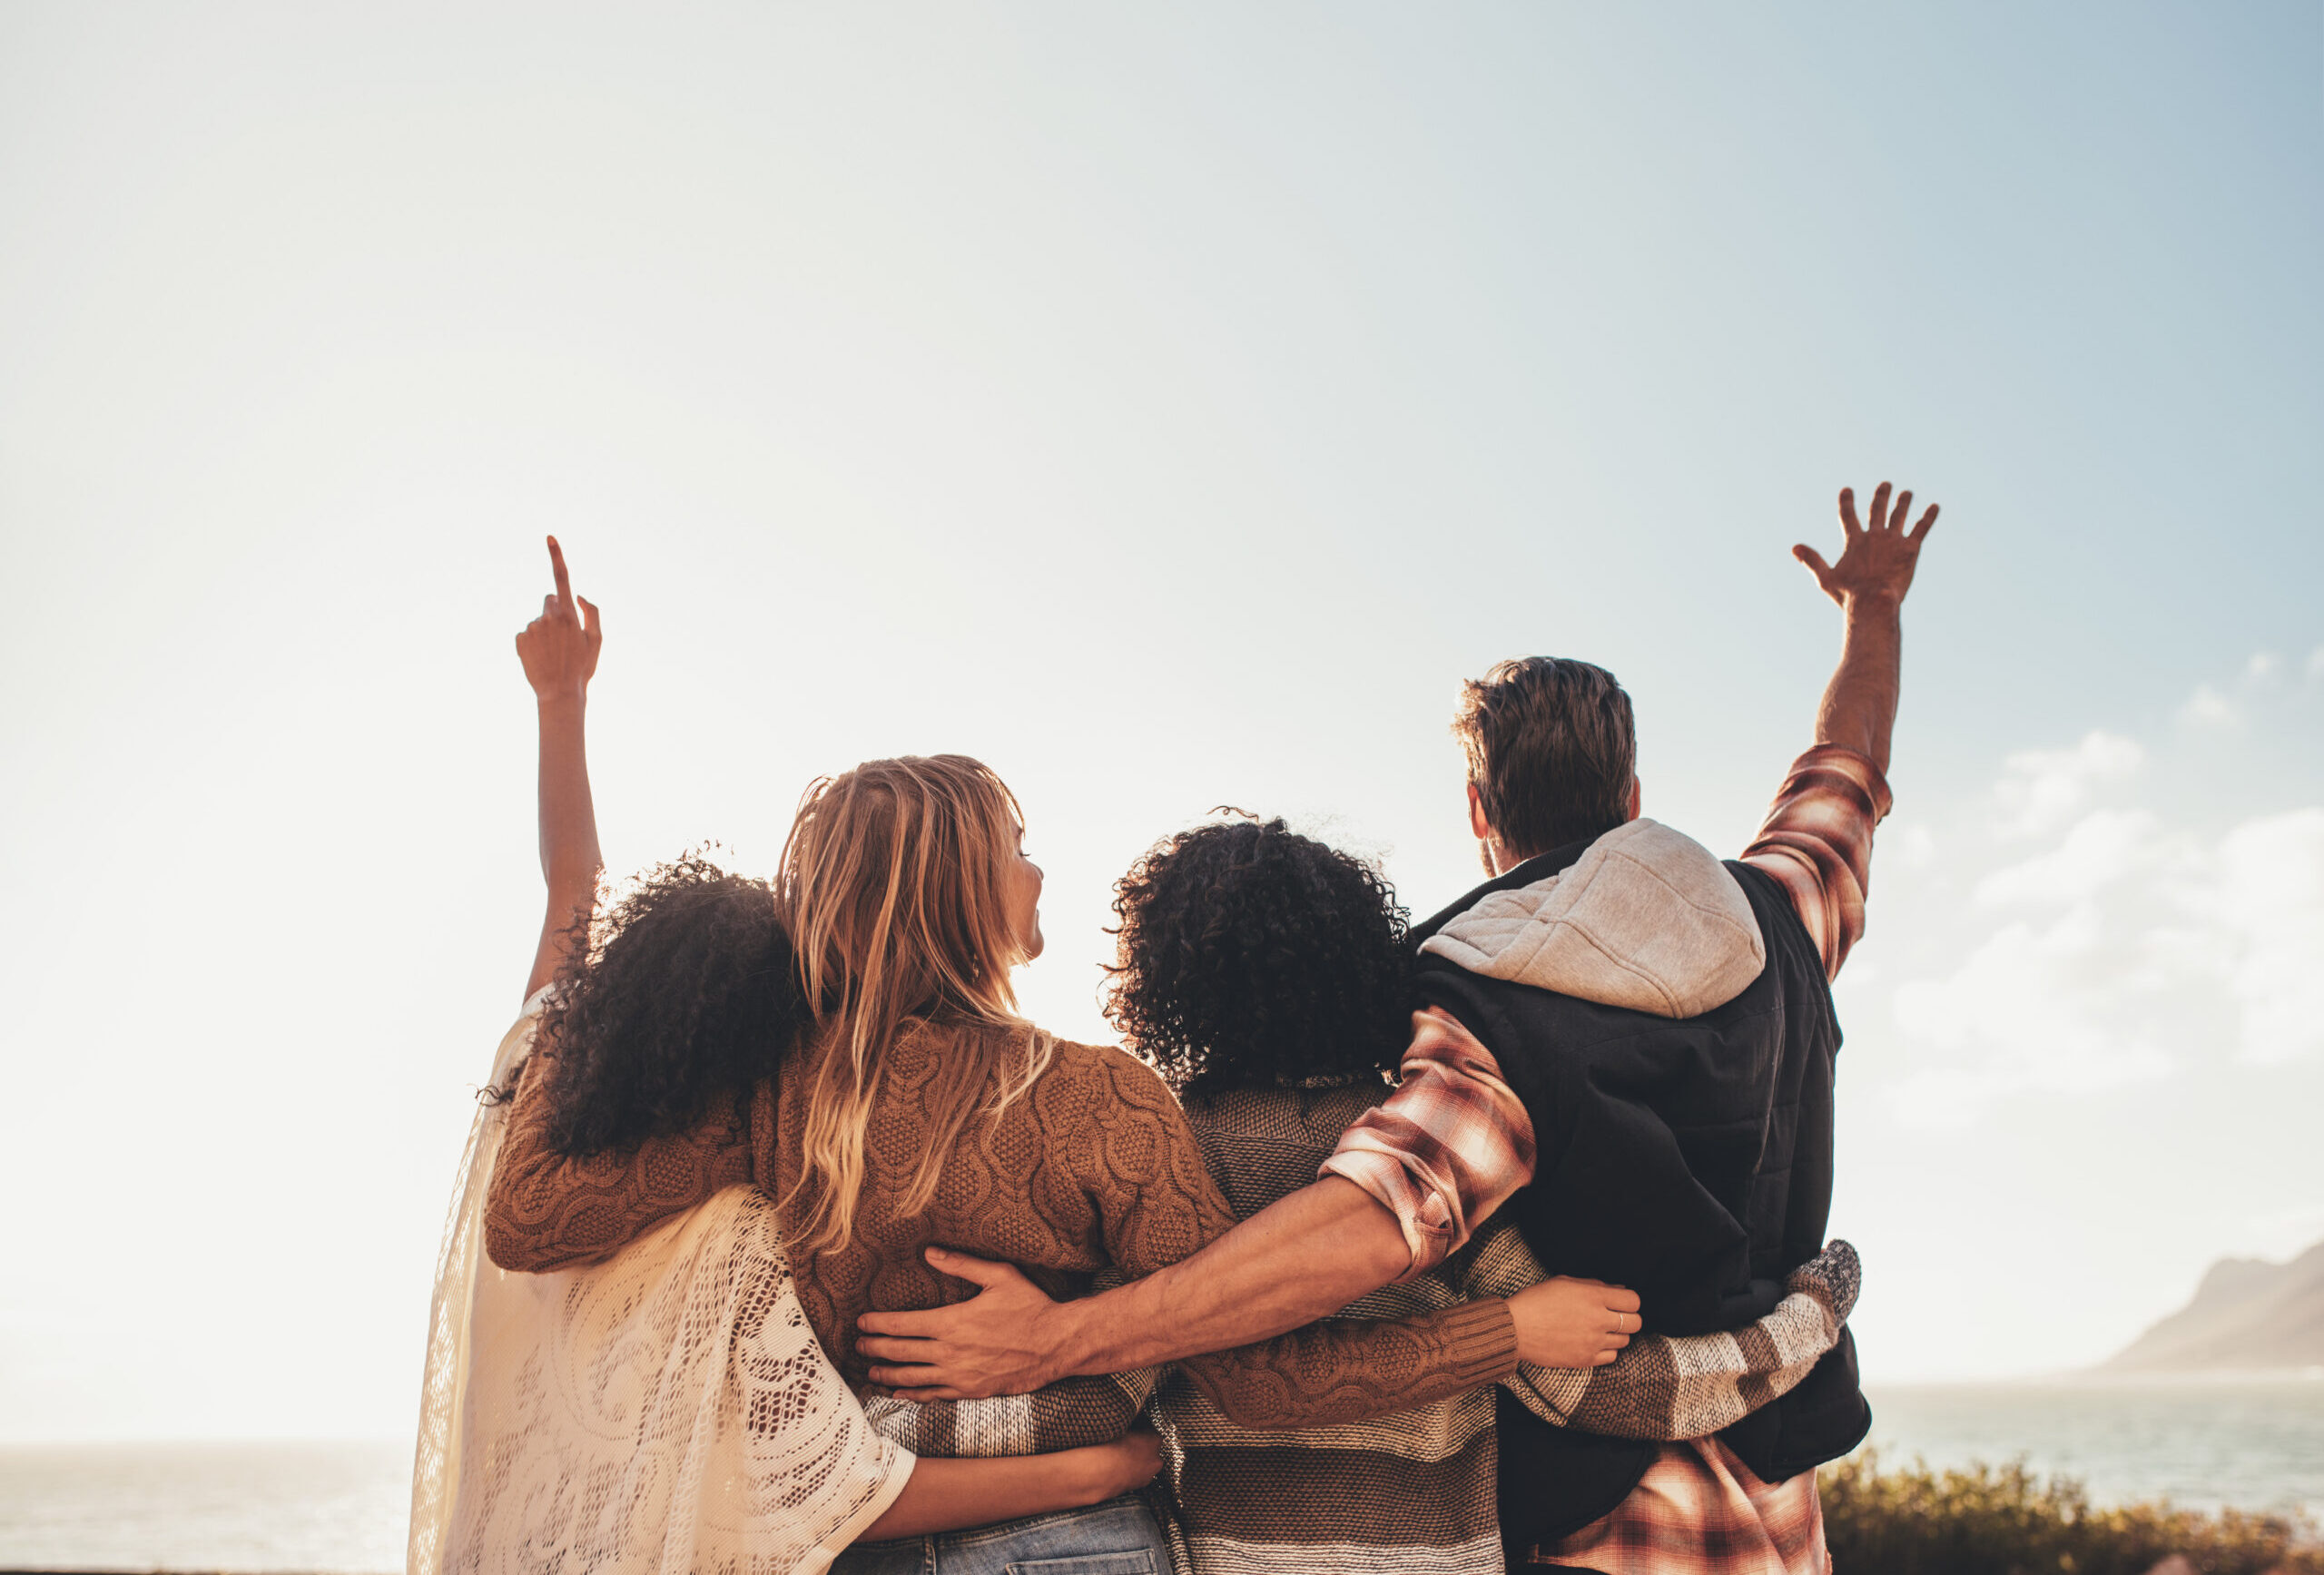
(846, 1041)
(1264, 974)
(1254, 958)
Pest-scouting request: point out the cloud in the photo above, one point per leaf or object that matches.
(2268, 898)
(2041, 789)
(2316, 662)
(1912, 846)
(2033, 1007)
(2261, 667)
(2104, 847)
(2114, 949)
(2207, 707)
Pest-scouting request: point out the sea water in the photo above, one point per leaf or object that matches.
(335, 1506)
(2207, 1443)
(341, 1506)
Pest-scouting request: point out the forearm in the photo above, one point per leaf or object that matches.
(1300, 1259)
(951, 1495)
(570, 858)
(1859, 707)
(1666, 1387)
(1348, 1370)
(546, 1210)
(1071, 1413)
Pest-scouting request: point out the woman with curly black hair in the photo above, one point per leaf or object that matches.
(1254, 957)
(1264, 974)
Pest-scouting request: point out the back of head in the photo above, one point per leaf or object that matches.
(1552, 750)
(893, 888)
(1254, 957)
(687, 990)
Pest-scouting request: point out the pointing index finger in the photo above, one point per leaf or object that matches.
(563, 580)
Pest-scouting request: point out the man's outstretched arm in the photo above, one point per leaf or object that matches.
(1869, 582)
(1301, 1258)
(1817, 840)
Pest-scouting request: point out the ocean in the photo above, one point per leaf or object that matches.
(339, 1506)
(2203, 1445)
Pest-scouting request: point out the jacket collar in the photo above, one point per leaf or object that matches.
(1540, 867)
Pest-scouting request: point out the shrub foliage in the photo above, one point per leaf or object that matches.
(2004, 1520)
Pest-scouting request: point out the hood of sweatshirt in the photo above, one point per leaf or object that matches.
(1646, 919)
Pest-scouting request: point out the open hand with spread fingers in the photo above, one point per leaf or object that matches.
(1570, 1323)
(1876, 558)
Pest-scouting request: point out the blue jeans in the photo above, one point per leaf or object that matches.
(1115, 1538)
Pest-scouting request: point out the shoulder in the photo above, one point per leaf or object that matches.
(1108, 1068)
(1481, 1006)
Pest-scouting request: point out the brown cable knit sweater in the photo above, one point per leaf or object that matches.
(1095, 1168)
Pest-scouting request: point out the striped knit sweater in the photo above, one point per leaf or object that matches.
(1414, 1491)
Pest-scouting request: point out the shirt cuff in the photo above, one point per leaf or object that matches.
(1421, 1214)
(1484, 1341)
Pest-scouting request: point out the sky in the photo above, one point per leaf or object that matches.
(1169, 406)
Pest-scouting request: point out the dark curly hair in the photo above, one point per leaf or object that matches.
(1254, 957)
(687, 992)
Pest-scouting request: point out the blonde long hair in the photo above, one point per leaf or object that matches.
(893, 890)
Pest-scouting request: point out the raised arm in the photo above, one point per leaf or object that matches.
(547, 1209)
(1869, 582)
(1817, 840)
(559, 650)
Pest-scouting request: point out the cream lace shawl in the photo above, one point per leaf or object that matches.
(669, 1412)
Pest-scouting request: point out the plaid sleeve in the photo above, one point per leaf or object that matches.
(1446, 1148)
(1817, 842)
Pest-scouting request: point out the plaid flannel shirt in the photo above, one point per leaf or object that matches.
(1452, 1143)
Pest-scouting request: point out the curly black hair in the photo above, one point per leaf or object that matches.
(1254, 957)
(690, 992)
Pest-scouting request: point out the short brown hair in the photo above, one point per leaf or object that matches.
(1552, 750)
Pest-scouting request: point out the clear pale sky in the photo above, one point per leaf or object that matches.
(1171, 405)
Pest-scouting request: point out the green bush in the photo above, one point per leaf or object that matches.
(2004, 1520)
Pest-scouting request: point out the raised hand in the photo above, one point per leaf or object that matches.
(559, 648)
(1877, 559)
(1569, 1323)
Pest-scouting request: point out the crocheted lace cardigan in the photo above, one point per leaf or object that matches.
(669, 1410)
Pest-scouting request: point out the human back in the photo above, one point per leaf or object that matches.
(1068, 1178)
(924, 1109)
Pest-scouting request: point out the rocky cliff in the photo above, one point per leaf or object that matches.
(2248, 1314)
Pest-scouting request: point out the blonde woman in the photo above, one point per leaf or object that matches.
(919, 1112)
(669, 1408)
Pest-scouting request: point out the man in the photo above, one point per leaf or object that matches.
(1689, 1157)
